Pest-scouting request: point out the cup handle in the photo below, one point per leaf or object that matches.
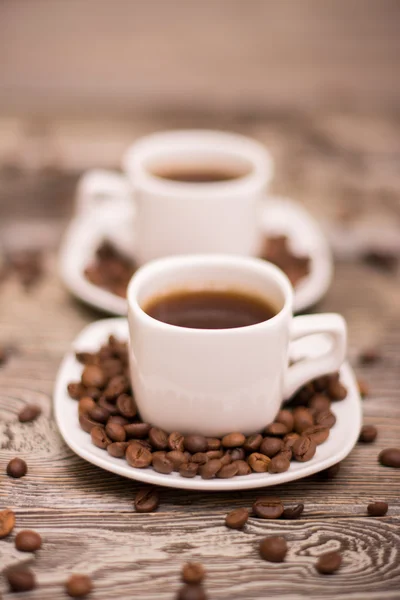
(332, 325)
(99, 187)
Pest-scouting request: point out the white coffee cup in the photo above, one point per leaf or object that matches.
(211, 381)
(163, 217)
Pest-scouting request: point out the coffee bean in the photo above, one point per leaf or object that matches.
(86, 422)
(369, 356)
(28, 541)
(99, 414)
(112, 367)
(321, 383)
(273, 549)
(29, 413)
(215, 453)
(303, 419)
(286, 417)
(278, 464)
(271, 446)
(99, 437)
(78, 586)
(85, 405)
(195, 443)
(137, 430)
(126, 406)
(213, 444)
(210, 469)
(390, 457)
(237, 518)
(253, 442)
(276, 429)
(200, 458)
(116, 432)
(191, 591)
(7, 522)
(109, 406)
(368, 434)
(328, 563)
(226, 458)
(17, 468)
(85, 358)
(336, 391)
(304, 449)
(317, 433)
(175, 441)
(92, 392)
(325, 419)
(117, 386)
(330, 472)
(158, 438)
(319, 403)
(258, 462)
(118, 420)
(242, 467)
(228, 471)
(162, 464)
(268, 508)
(236, 453)
(290, 439)
(377, 509)
(138, 456)
(21, 579)
(188, 469)
(293, 512)
(76, 390)
(287, 453)
(193, 572)
(177, 459)
(117, 449)
(93, 376)
(233, 440)
(147, 500)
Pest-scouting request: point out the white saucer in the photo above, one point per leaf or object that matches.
(343, 435)
(280, 216)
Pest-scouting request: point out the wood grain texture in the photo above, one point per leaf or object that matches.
(86, 515)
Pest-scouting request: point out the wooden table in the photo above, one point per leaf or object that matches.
(342, 168)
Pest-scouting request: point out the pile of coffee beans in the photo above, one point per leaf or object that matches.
(107, 411)
(112, 271)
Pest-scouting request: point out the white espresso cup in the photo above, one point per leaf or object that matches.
(217, 381)
(162, 216)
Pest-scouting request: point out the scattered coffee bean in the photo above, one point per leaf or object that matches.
(368, 434)
(29, 413)
(226, 458)
(93, 392)
(162, 464)
(279, 464)
(273, 549)
(268, 508)
(325, 419)
(126, 406)
(287, 453)
(233, 440)
(79, 586)
(137, 430)
(213, 444)
(362, 388)
(28, 541)
(243, 467)
(76, 390)
(116, 432)
(147, 500)
(377, 509)
(117, 386)
(193, 572)
(328, 563)
(93, 376)
(21, 579)
(99, 414)
(278, 429)
(138, 456)
(253, 442)
(319, 403)
(304, 449)
(293, 512)
(99, 437)
(189, 469)
(237, 518)
(85, 405)
(271, 446)
(17, 468)
(215, 453)
(236, 453)
(258, 462)
(158, 438)
(228, 471)
(390, 457)
(109, 406)
(210, 469)
(195, 443)
(369, 356)
(85, 358)
(290, 439)
(336, 391)
(303, 419)
(191, 591)
(286, 417)
(177, 459)
(175, 441)
(330, 472)
(200, 458)
(7, 522)
(317, 433)
(86, 422)
(117, 449)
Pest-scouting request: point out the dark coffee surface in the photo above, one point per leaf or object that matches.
(209, 309)
(199, 174)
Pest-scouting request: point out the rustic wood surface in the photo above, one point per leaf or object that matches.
(344, 167)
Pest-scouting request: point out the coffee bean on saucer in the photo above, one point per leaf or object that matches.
(336, 391)
(303, 419)
(147, 500)
(175, 441)
(76, 390)
(162, 464)
(286, 417)
(188, 469)
(368, 434)
(117, 386)
(233, 440)
(193, 572)
(86, 422)
(117, 449)
(279, 464)
(243, 467)
(126, 406)
(330, 472)
(112, 367)
(319, 403)
(276, 429)
(85, 358)
(17, 468)
(290, 439)
(268, 508)
(228, 471)
(377, 509)
(237, 518)
(85, 405)
(325, 419)
(321, 383)
(79, 586)
(362, 388)
(273, 549)
(99, 437)
(328, 563)
(118, 420)
(93, 392)
(93, 376)
(215, 453)
(210, 469)
(390, 457)
(138, 456)
(200, 458)
(158, 438)
(226, 458)
(7, 522)
(317, 433)
(271, 446)
(109, 406)
(137, 430)
(20, 579)
(213, 444)
(28, 541)
(195, 443)
(253, 442)
(191, 591)
(293, 512)
(236, 453)
(304, 449)
(29, 413)
(177, 459)
(258, 462)
(98, 414)
(116, 432)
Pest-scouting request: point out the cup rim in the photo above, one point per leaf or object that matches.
(233, 144)
(259, 266)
